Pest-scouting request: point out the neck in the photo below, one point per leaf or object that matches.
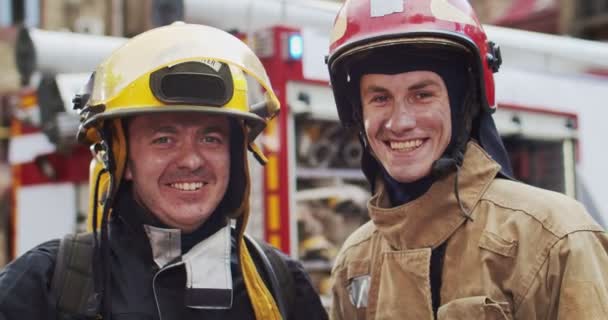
(140, 215)
(215, 222)
(400, 192)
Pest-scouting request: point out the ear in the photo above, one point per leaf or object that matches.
(128, 174)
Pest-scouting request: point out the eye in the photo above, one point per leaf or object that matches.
(213, 139)
(423, 95)
(161, 140)
(379, 99)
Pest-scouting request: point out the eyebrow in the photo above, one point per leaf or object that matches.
(214, 129)
(374, 88)
(172, 129)
(162, 129)
(423, 84)
(416, 86)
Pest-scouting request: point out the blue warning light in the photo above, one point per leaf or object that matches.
(295, 46)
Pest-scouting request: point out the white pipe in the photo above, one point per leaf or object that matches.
(550, 52)
(585, 52)
(251, 15)
(67, 52)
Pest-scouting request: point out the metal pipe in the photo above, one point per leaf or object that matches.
(585, 52)
(528, 48)
(67, 52)
(54, 52)
(250, 15)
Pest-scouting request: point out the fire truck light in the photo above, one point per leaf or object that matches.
(295, 46)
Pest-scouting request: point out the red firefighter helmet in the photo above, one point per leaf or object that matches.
(363, 25)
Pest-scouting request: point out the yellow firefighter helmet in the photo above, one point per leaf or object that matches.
(177, 68)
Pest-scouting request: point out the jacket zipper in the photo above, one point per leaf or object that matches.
(160, 317)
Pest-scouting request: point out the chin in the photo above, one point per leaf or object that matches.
(407, 179)
(410, 175)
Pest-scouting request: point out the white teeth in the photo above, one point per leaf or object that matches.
(406, 145)
(187, 186)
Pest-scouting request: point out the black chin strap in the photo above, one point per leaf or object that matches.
(101, 258)
(446, 165)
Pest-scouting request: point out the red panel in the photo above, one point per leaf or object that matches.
(28, 129)
(598, 72)
(12, 229)
(280, 71)
(284, 194)
(68, 167)
(542, 110)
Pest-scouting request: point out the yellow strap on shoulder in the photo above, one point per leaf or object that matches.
(264, 306)
(263, 303)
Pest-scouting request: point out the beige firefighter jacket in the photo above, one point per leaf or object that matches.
(527, 254)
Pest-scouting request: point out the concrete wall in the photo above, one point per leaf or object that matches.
(85, 16)
(564, 23)
(490, 10)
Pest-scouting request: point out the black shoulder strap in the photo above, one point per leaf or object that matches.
(281, 280)
(72, 285)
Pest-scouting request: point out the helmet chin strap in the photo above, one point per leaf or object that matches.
(453, 157)
(452, 160)
(446, 165)
(101, 257)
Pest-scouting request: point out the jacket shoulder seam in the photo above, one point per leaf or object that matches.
(545, 227)
(559, 232)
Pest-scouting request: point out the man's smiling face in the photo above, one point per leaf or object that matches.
(179, 164)
(407, 121)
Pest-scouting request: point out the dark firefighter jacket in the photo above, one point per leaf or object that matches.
(136, 293)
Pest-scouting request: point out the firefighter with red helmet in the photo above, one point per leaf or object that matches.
(452, 235)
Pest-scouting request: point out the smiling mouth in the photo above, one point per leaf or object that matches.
(187, 186)
(408, 145)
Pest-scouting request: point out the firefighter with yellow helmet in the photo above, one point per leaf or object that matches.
(169, 118)
(452, 235)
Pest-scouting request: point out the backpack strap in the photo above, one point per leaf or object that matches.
(72, 285)
(277, 272)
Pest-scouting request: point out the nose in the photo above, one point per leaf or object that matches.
(190, 157)
(401, 118)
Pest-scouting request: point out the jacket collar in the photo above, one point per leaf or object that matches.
(137, 233)
(432, 218)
